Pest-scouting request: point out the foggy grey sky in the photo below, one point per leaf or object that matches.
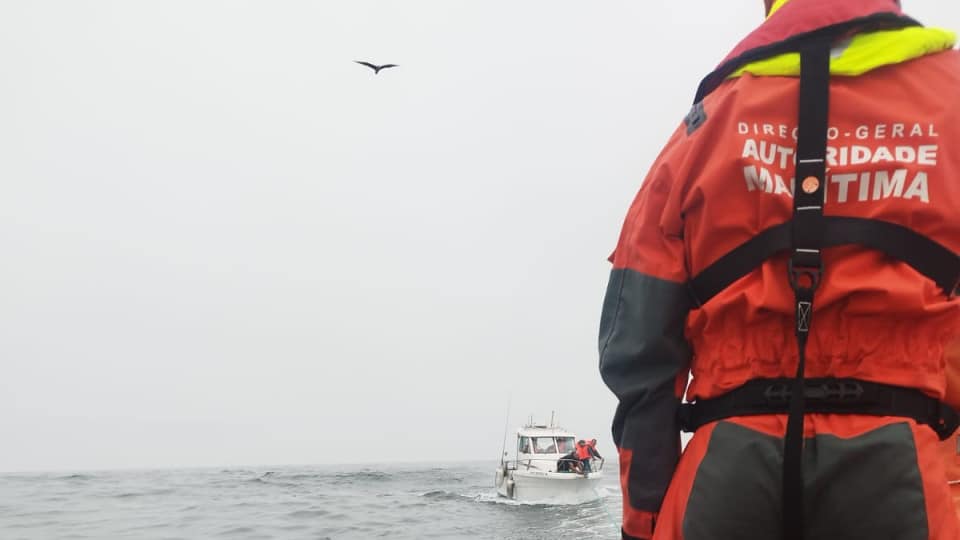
(225, 243)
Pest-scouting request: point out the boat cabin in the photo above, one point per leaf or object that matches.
(540, 447)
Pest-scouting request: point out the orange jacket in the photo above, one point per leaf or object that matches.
(724, 176)
(583, 452)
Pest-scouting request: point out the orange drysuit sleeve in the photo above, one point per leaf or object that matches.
(644, 358)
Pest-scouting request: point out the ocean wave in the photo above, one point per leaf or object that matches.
(478, 496)
(237, 530)
(151, 493)
(76, 477)
(369, 475)
(304, 476)
(492, 497)
(442, 495)
(308, 513)
(237, 471)
(273, 481)
(362, 476)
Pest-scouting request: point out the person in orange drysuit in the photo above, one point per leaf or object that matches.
(592, 447)
(822, 427)
(583, 454)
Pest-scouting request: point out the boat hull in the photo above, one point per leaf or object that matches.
(542, 487)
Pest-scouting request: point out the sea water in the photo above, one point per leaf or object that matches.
(405, 501)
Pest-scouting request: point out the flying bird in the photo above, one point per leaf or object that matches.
(376, 69)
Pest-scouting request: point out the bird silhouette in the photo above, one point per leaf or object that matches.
(376, 69)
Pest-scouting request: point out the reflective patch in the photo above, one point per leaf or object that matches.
(695, 118)
(864, 52)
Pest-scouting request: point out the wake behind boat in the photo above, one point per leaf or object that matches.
(546, 469)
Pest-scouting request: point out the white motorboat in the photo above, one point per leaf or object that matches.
(544, 470)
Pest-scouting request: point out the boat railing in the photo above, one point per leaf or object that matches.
(544, 464)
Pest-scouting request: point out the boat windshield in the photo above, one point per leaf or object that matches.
(544, 445)
(565, 445)
(524, 447)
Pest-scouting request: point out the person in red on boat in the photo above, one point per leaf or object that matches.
(592, 449)
(583, 454)
(789, 267)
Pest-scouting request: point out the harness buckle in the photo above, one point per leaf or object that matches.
(830, 392)
(803, 275)
(777, 394)
(942, 418)
(838, 391)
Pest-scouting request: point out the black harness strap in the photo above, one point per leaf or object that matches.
(805, 266)
(924, 255)
(823, 395)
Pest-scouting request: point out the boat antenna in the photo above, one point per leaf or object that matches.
(506, 426)
(551, 417)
